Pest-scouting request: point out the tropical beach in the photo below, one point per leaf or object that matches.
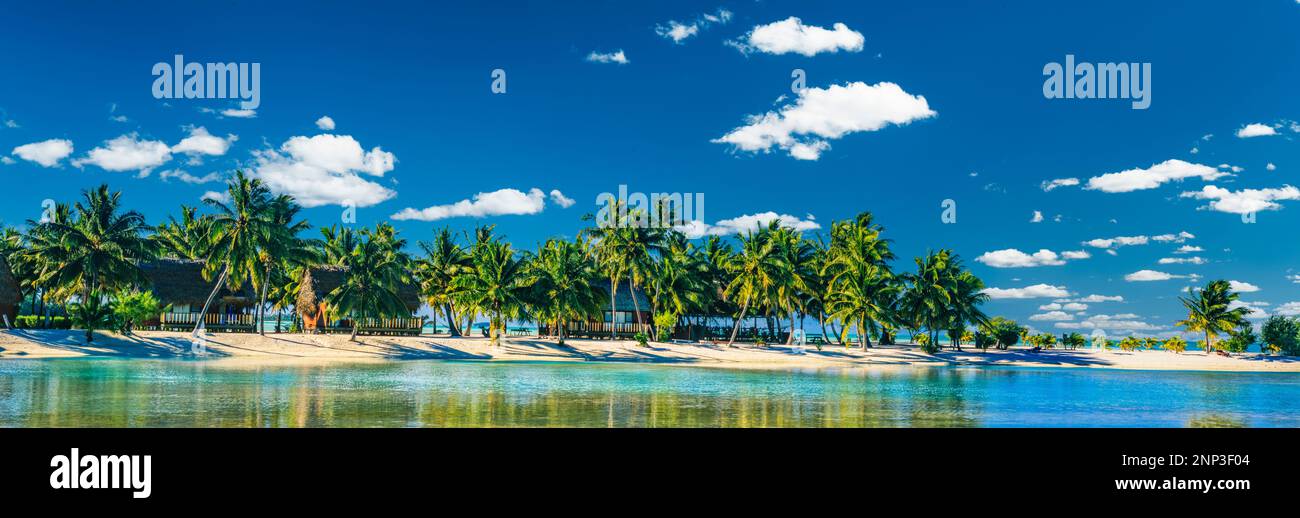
(324, 350)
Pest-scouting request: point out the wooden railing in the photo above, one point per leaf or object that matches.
(185, 321)
(377, 326)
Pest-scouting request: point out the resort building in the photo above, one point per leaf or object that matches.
(318, 282)
(179, 285)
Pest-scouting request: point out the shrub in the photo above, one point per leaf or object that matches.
(135, 308)
(1176, 344)
(1130, 344)
(926, 344)
(1074, 340)
(1047, 341)
(1006, 332)
(983, 341)
(641, 339)
(1240, 338)
(1283, 334)
(664, 324)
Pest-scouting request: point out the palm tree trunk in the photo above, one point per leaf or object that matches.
(736, 327)
(636, 306)
(790, 339)
(866, 335)
(261, 308)
(452, 326)
(613, 308)
(821, 318)
(279, 317)
(560, 331)
(221, 279)
(356, 322)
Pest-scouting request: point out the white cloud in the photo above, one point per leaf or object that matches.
(1256, 130)
(679, 32)
(496, 203)
(1294, 278)
(1048, 185)
(47, 153)
(746, 223)
(1115, 242)
(10, 123)
(792, 36)
(128, 153)
(221, 196)
(560, 199)
(1152, 177)
(1244, 201)
(239, 114)
(1255, 310)
(1052, 316)
(1152, 275)
(200, 142)
(325, 170)
(1101, 298)
(1173, 238)
(821, 114)
(1028, 292)
(1182, 260)
(1126, 323)
(186, 177)
(326, 123)
(7, 161)
(1037, 218)
(1243, 287)
(1014, 258)
(1075, 254)
(608, 57)
(1289, 309)
(1187, 249)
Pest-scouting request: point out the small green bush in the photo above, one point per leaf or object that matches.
(1176, 344)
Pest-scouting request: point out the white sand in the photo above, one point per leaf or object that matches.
(247, 347)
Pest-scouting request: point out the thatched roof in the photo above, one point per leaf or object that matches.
(9, 294)
(622, 301)
(180, 281)
(325, 279)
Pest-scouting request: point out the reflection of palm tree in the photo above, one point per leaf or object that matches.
(238, 229)
(1209, 311)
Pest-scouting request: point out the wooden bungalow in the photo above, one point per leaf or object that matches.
(622, 321)
(179, 285)
(10, 295)
(315, 312)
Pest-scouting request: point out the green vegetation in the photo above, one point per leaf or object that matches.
(1209, 311)
(1176, 344)
(133, 308)
(1281, 334)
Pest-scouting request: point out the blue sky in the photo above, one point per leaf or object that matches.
(414, 81)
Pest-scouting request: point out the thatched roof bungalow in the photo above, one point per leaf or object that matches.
(319, 281)
(180, 283)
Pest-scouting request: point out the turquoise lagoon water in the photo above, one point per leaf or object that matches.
(164, 393)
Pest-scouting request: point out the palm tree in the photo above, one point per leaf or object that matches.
(929, 297)
(98, 249)
(91, 313)
(756, 269)
(1209, 311)
(189, 238)
(443, 260)
(968, 294)
(563, 279)
(495, 282)
(625, 247)
(238, 229)
(677, 282)
(861, 290)
(279, 246)
(375, 268)
(798, 256)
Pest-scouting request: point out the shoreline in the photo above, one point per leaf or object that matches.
(252, 349)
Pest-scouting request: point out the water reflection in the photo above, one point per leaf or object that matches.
(146, 393)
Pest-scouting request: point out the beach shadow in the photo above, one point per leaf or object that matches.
(113, 345)
(1045, 357)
